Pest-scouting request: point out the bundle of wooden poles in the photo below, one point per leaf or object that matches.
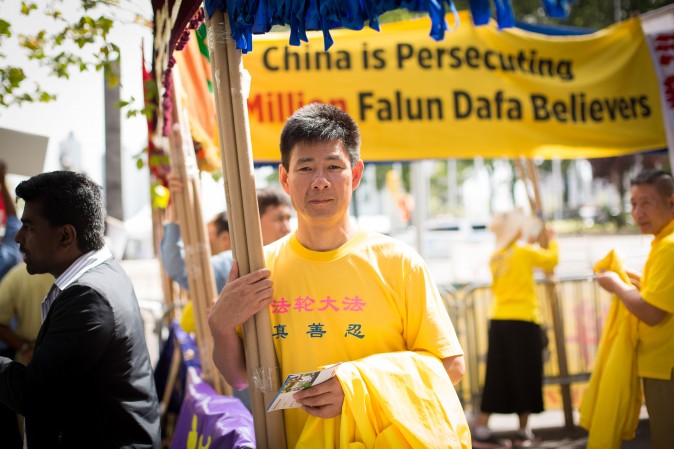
(187, 206)
(231, 91)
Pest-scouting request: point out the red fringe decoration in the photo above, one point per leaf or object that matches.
(167, 104)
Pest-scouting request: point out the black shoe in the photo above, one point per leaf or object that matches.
(491, 442)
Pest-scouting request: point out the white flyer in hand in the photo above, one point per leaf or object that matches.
(297, 382)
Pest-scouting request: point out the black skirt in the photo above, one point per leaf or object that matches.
(514, 379)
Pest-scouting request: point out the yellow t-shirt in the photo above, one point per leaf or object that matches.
(21, 295)
(513, 280)
(656, 343)
(372, 295)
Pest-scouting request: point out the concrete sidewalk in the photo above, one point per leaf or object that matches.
(576, 438)
(549, 426)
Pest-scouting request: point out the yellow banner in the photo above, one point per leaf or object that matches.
(480, 92)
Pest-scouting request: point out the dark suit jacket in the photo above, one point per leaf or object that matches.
(90, 382)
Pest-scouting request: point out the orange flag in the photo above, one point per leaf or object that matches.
(195, 75)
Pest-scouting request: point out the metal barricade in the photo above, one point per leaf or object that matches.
(583, 307)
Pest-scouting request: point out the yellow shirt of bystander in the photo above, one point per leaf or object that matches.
(21, 295)
(187, 318)
(513, 280)
(656, 343)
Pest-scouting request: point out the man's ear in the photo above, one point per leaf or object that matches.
(357, 173)
(283, 178)
(68, 236)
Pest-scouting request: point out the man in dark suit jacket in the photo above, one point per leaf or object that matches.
(90, 381)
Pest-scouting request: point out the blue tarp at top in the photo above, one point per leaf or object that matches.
(248, 17)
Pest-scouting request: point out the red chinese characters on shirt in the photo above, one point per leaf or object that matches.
(303, 304)
(309, 304)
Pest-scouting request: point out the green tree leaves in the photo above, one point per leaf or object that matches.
(75, 38)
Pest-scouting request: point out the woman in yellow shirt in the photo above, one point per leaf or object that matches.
(514, 377)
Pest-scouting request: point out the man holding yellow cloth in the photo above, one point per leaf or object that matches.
(337, 294)
(653, 211)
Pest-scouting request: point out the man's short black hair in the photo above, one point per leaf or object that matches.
(270, 197)
(69, 198)
(662, 181)
(318, 122)
(221, 223)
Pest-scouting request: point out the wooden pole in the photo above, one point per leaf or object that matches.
(522, 174)
(529, 176)
(193, 230)
(535, 186)
(232, 184)
(268, 362)
(170, 381)
(166, 283)
(555, 307)
(236, 150)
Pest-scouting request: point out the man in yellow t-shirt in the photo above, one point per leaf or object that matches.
(652, 198)
(20, 297)
(335, 294)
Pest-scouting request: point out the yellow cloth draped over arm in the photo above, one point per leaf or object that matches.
(611, 404)
(393, 400)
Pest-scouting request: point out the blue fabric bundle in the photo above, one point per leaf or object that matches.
(248, 17)
(481, 12)
(558, 9)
